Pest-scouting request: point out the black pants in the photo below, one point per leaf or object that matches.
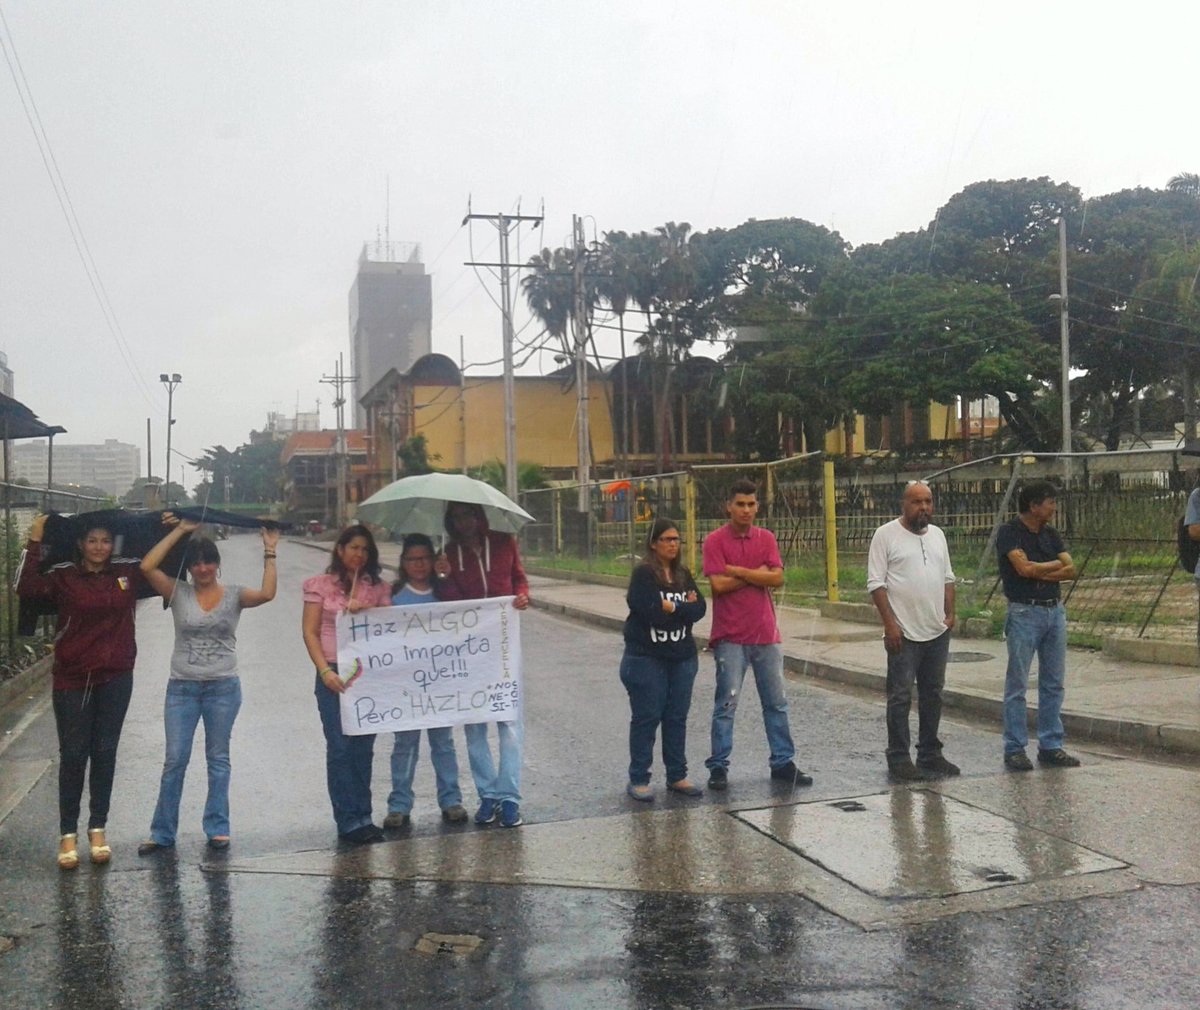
(922, 663)
(89, 728)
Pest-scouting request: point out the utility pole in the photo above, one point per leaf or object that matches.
(579, 321)
(505, 224)
(338, 380)
(1065, 348)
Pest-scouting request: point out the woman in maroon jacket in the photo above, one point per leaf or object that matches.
(93, 673)
(479, 563)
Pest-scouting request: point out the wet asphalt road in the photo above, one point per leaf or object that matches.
(167, 933)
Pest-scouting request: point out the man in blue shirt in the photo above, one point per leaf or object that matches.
(1033, 561)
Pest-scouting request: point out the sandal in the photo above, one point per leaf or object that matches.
(101, 852)
(68, 854)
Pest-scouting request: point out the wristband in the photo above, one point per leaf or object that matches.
(269, 554)
(328, 669)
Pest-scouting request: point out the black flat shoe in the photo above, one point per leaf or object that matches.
(219, 842)
(150, 846)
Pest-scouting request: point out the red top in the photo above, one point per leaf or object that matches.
(497, 572)
(747, 615)
(95, 640)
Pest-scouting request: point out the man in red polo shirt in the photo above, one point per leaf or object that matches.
(743, 565)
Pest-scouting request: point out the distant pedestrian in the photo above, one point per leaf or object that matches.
(659, 664)
(415, 586)
(94, 651)
(204, 682)
(1033, 561)
(743, 565)
(479, 563)
(351, 583)
(1191, 520)
(912, 585)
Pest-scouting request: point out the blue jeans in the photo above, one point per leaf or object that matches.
(767, 663)
(492, 783)
(924, 663)
(188, 701)
(660, 691)
(347, 765)
(405, 750)
(1028, 631)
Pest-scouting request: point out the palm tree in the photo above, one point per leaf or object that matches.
(1187, 183)
(550, 294)
(615, 285)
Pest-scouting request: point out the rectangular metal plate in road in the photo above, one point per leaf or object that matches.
(916, 843)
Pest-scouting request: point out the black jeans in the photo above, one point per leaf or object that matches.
(89, 728)
(925, 663)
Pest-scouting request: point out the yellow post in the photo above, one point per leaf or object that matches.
(558, 531)
(689, 518)
(831, 558)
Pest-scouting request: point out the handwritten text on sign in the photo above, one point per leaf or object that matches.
(436, 664)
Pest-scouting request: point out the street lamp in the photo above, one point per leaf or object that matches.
(170, 381)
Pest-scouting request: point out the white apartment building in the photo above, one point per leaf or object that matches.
(112, 466)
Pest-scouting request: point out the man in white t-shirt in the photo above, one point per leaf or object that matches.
(912, 585)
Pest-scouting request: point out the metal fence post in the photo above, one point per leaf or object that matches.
(689, 517)
(831, 557)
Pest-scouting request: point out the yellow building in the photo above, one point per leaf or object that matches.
(462, 419)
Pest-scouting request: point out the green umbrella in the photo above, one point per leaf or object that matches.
(418, 504)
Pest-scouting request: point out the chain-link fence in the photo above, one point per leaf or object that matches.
(1117, 513)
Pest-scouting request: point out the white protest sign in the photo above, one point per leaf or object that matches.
(435, 664)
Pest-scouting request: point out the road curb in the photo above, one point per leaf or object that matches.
(25, 681)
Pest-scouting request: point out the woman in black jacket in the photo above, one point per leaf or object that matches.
(659, 664)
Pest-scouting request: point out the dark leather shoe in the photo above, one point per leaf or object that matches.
(790, 774)
(1057, 759)
(718, 778)
(368, 834)
(1018, 761)
(938, 767)
(905, 771)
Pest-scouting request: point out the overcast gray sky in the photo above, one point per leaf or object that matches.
(227, 160)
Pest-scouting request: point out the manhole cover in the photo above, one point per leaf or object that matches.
(921, 844)
(969, 657)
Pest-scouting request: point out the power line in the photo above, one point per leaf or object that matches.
(66, 205)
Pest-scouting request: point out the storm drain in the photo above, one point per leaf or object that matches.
(917, 843)
(969, 657)
(458, 944)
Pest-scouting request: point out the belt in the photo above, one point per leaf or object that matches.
(1037, 603)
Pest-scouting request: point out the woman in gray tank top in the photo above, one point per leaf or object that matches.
(204, 680)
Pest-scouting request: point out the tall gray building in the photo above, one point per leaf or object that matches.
(6, 376)
(112, 466)
(391, 315)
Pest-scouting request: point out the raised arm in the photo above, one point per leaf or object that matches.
(159, 580)
(257, 597)
(31, 583)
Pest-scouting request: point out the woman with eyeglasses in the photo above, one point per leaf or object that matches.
(414, 587)
(659, 665)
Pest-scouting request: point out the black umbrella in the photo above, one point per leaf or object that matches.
(134, 534)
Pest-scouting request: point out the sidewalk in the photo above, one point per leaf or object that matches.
(1108, 699)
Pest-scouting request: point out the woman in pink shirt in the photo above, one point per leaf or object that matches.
(351, 583)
